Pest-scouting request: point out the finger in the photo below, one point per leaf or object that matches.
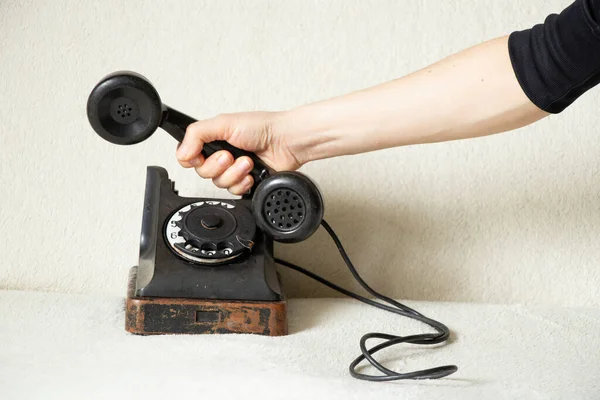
(193, 163)
(215, 165)
(201, 132)
(243, 187)
(234, 174)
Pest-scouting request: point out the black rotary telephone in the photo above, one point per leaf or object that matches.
(124, 108)
(206, 265)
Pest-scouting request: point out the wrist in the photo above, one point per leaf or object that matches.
(307, 135)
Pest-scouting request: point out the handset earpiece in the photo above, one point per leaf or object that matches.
(124, 108)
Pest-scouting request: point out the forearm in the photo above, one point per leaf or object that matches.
(472, 93)
(496, 86)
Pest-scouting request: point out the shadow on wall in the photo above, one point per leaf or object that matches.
(365, 232)
(473, 243)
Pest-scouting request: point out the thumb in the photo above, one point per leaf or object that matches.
(201, 132)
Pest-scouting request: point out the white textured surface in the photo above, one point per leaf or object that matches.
(511, 218)
(59, 346)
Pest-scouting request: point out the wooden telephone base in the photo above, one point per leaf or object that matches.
(162, 315)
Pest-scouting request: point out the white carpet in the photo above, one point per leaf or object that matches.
(58, 346)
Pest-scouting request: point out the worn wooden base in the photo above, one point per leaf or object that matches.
(155, 316)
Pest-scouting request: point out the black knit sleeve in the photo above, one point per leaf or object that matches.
(559, 60)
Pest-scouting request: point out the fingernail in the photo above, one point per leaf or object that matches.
(248, 182)
(182, 151)
(244, 165)
(196, 162)
(223, 160)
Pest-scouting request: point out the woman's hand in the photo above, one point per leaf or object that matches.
(469, 94)
(257, 132)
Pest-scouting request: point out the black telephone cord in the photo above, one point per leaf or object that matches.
(392, 306)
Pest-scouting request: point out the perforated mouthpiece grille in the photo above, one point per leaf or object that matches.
(284, 209)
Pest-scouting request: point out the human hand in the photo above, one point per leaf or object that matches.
(257, 132)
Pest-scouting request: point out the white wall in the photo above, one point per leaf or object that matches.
(510, 218)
